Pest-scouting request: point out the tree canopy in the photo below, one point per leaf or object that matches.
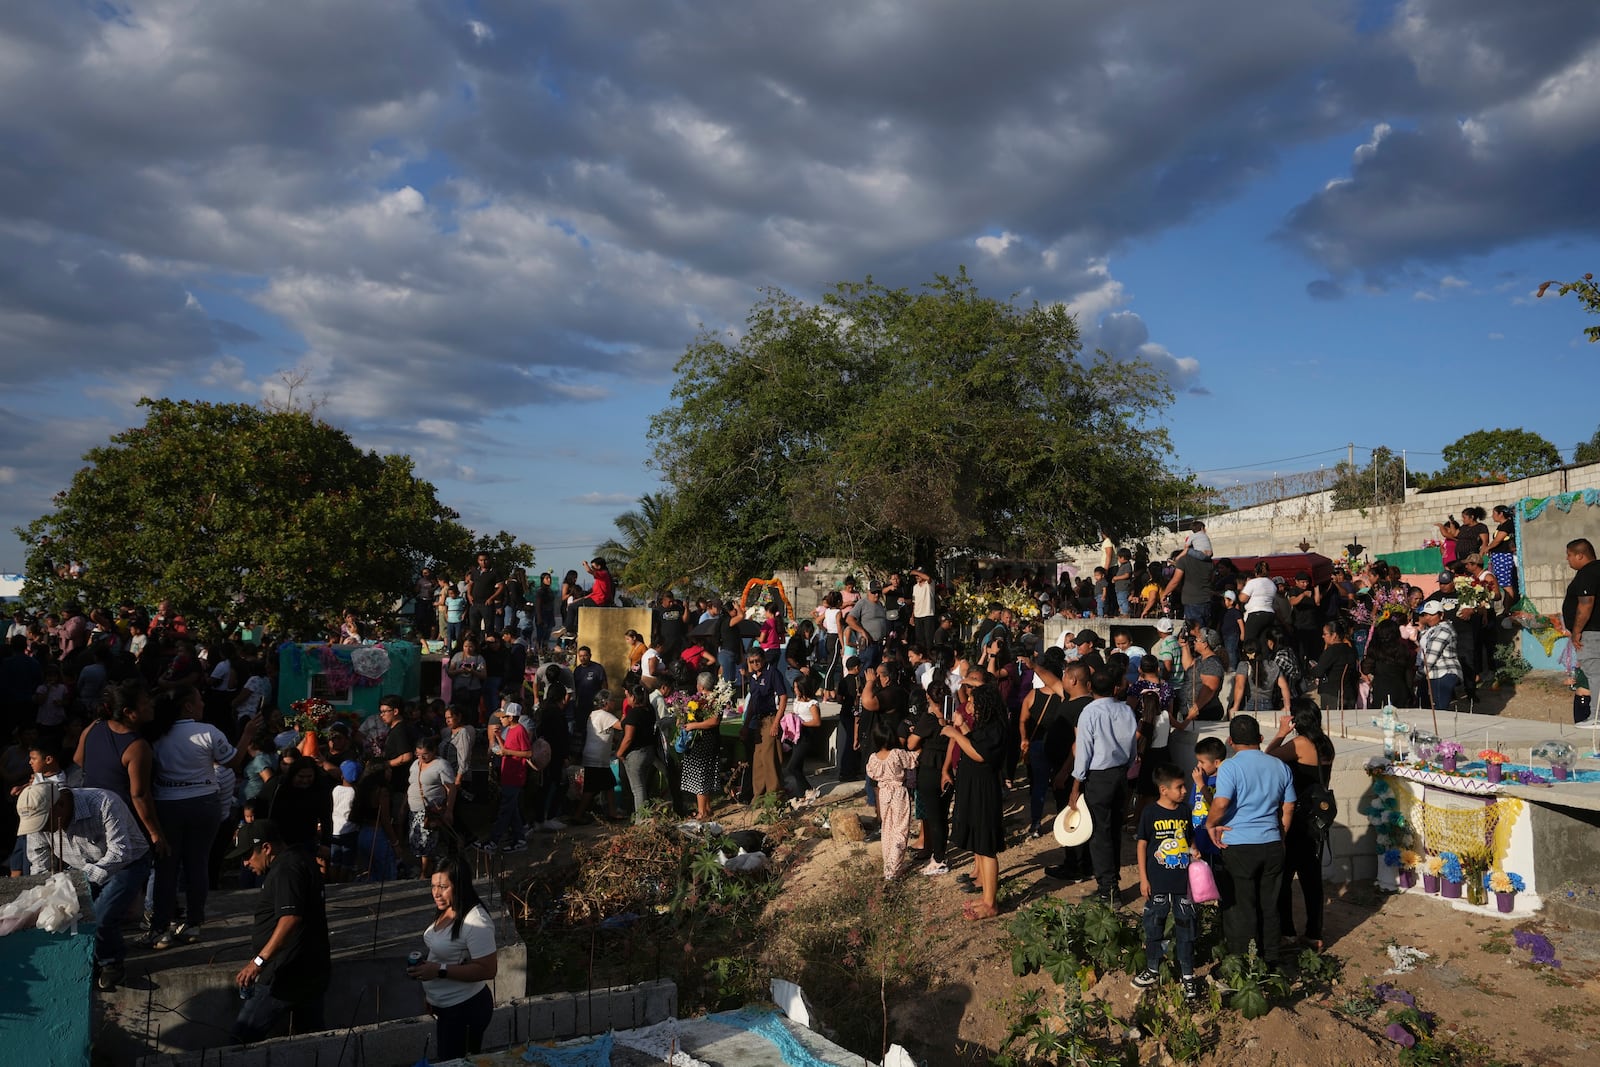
(1588, 451)
(1382, 481)
(1497, 455)
(888, 424)
(228, 509)
(1588, 294)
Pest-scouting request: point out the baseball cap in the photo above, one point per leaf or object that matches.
(1089, 637)
(33, 807)
(1446, 576)
(1164, 625)
(1210, 636)
(1228, 594)
(875, 587)
(350, 770)
(251, 834)
(1432, 607)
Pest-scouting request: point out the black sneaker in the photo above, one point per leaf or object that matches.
(110, 976)
(1191, 988)
(1146, 978)
(1062, 873)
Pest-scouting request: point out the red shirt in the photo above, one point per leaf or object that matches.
(604, 589)
(514, 769)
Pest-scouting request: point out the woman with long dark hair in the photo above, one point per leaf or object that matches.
(462, 961)
(1306, 748)
(1336, 671)
(978, 814)
(1387, 667)
(1262, 687)
(929, 742)
(115, 756)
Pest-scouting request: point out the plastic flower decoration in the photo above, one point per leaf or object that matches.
(1446, 749)
(1433, 865)
(1490, 755)
(1450, 867)
(1504, 882)
(1391, 857)
(1409, 859)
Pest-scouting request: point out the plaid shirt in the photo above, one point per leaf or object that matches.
(1438, 647)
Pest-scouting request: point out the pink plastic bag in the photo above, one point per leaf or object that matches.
(1202, 883)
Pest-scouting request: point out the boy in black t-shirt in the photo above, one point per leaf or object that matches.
(1165, 848)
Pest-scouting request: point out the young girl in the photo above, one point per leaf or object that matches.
(455, 609)
(803, 713)
(891, 767)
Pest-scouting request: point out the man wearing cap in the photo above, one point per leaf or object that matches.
(290, 965)
(516, 748)
(1440, 663)
(1203, 675)
(1087, 647)
(93, 831)
(1104, 746)
(870, 621)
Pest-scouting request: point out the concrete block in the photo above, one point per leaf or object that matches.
(602, 628)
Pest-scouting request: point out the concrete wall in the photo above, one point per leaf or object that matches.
(45, 986)
(1567, 846)
(1543, 548)
(602, 628)
(555, 1017)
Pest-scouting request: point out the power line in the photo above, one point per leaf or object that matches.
(1260, 464)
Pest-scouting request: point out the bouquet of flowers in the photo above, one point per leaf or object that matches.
(1490, 755)
(1433, 865)
(1450, 868)
(1448, 750)
(312, 715)
(1470, 596)
(1475, 862)
(1385, 602)
(698, 707)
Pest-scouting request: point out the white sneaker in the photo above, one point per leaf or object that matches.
(552, 825)
(934, 869)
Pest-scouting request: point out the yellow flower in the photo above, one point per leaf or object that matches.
(1434, 865)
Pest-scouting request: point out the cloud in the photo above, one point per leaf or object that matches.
(1324, 289)
(1497, 336)
(605, 499)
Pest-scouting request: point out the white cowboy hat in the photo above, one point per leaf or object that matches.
(1073, 825)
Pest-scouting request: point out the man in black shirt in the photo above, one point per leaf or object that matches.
(399, 749)
(1075, 865)
(1191, 580)
(288, 974)
(485, 590)
(588, 678)
(1577, 608)
(670, 626)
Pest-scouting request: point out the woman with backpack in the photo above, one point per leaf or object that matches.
(1302, 744)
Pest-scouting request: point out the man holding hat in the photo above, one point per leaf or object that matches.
(1105, 745)
(93, 831)
(288, 973)
(1440, 661)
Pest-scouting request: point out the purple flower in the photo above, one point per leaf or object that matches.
(1400, 1035)
(1543, 951)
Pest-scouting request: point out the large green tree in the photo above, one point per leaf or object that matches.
(889, 424)
(1497, 455)
(1588, 451)
(629, 554)
(1381, 482)
(229, 509)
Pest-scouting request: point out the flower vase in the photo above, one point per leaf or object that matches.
(1493, 770)
(1476, 893)
(1449, 763)
(1408, 879)
(1559, 771)
(1505, 902)
(1450, 890)
(308, 745)
(1430, 883)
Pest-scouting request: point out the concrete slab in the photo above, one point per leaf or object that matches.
(184, 998)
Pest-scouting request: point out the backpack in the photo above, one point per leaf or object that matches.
(1322, 812)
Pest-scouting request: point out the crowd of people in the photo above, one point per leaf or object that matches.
(147, 758)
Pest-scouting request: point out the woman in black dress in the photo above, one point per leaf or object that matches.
(1336, 671)
(978, 810)
(1387, 666)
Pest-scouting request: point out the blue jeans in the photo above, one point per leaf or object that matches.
(1039, 774)
(453, 631)
(1122, 602)
(261, 1012)
(1156, 910)
(1200, 613)
(191, 826)
(508, 820)
(374, 857)
(111, 903)
(1443, 690)
(869, 653)
(728, 664)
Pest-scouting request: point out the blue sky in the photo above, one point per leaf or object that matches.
(485, 231)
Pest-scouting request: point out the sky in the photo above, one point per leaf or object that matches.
(483, 232)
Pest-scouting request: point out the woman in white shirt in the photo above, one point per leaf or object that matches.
(187, 754)
(1260, 603)
(461, 962)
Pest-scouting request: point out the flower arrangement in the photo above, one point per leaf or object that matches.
(697, 707)
(312, 715)
(1476, 862)
(1490, 755)
(1530, 778)
(1450, 868)
(1498, 881)
(1448, 750)
(1433, 542)
(1409, 859)
(1470, 596)
(1385, 602)
(1433, 866)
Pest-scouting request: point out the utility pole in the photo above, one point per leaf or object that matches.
(1404, 479)
(1350, 454)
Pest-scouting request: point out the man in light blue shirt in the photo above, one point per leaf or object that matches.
(1249, 816)
(1106, 745)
